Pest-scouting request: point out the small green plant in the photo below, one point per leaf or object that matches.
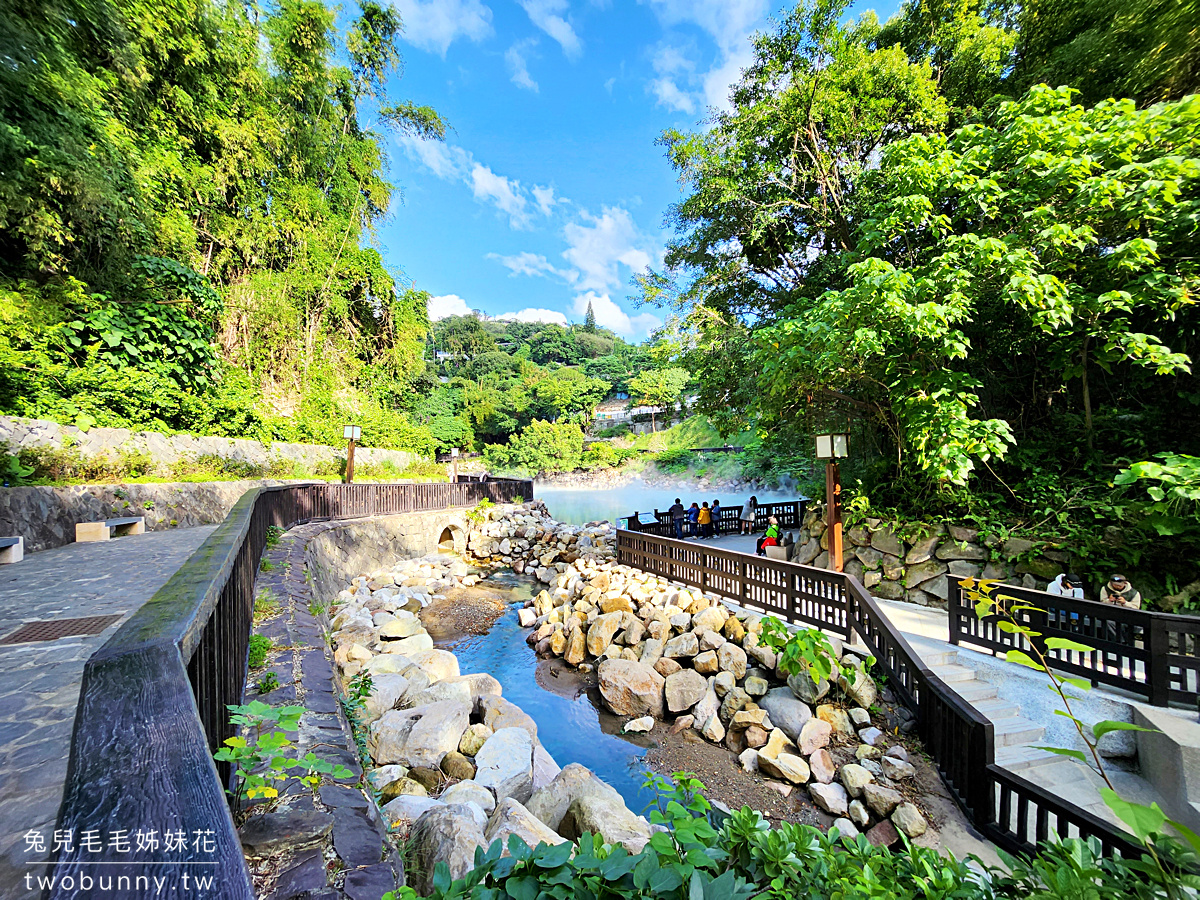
(259, 645)
(267, 566)
(316, 608)
(267, 683)
(479, 514)
(259, 753)
(358, 689)
(274, 534)
(12, 472)
(149, 504)
(265, 606)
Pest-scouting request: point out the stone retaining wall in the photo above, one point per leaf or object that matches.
(46, 516)
(341, 550)
(910, 563)
(166, 450)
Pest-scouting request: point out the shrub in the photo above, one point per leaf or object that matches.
(603, 455)
(675, 460)
(541, 447)
(259, 645)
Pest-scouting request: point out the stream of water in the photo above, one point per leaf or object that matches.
(571, 729)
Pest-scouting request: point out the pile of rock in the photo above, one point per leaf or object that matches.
(457, 766)
(913, 566)
(527, 539)
(661, 650)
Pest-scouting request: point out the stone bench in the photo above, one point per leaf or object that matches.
(12, 549)
(102, 531)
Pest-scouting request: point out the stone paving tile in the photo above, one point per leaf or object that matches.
(39, 683)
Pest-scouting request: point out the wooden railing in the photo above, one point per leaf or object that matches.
(1011, 812)
(153, 703)
(790, 514)
(1155, 655)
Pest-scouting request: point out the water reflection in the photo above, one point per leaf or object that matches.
(570, 727)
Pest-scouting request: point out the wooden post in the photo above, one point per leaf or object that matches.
(350, 462)
(833, 513)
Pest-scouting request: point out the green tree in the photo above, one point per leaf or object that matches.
(659, 388)
(1069, 224)
(589, 320)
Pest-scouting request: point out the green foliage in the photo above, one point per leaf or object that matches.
(1174, 490)
(805, 650)
(659, 388)
(675, 460)
(604, 455)
(257, 655)
(480, 512)
(258, 755)
(267, 683)
(274, 536)
(746, 856)
(543, 447)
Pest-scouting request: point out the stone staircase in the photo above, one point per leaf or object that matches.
(1016, 736)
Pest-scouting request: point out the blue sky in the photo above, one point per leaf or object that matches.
(550, 191)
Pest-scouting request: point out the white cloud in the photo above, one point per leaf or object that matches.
(671, 96)
(598, 245)
(447, 305)
(504, 193)
(608, 85)
(535, 315)
(518, 67)
(545, 198)
(730, 24)
(435, 24)
(533, 264)
(508, 195)
(545, 14)
(610, 315)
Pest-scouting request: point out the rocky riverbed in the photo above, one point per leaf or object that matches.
(457, 766)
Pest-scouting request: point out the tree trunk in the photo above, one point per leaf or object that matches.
(1087, 394)
(653, 428)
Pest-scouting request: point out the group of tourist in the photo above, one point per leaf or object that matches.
(1117, 591)
(697, 520)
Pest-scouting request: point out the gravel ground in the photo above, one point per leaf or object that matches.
(462, 611)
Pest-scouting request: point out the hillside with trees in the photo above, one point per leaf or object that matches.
(968, 237)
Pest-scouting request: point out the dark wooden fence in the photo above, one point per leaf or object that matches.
(153, 703)
(1153, 654)
(1008, 810)
(790, 515)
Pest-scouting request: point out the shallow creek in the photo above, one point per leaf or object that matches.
(570, 725)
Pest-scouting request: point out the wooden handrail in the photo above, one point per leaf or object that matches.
(1008, 810)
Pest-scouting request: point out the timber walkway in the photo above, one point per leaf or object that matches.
(40, 679)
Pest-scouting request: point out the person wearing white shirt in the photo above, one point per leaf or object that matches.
(1068, 585)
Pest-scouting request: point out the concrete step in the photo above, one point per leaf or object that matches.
(1021, 759)
(974, 691)
(1015, 731)
(933, 653)
(996, 708)
(954, 673)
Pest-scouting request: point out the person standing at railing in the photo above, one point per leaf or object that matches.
(716, 517)
(747, 516)
(678, 514)
(704, 518)
(1120, 592)
(693, 517)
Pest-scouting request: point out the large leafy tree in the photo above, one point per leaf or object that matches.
(1072, 227)
(769, 185)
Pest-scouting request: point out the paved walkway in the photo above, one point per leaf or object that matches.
(39, 682)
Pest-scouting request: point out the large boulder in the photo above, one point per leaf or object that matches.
(551, 802)
(402, 811)
(470, 792)
(449, 834)
(684, 690)
(807, 690)
(732, 658)
(410, 645)
(576, 651)
(386, 692)
(631, 688)
(685, 646)
(420, 736)
(438, 664)
(786, 711)
(499, 713)
(860, 688)
(505, 764)
(602, 631)
(511, 817)
(610, 819)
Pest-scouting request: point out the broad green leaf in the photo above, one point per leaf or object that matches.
(1143, 821)
(1064, 751)
(1055, 643)
(1020, 657)
(1102, 728)
(1187, 834)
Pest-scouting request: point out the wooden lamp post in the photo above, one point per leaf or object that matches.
(351, 433)
(831, 448)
